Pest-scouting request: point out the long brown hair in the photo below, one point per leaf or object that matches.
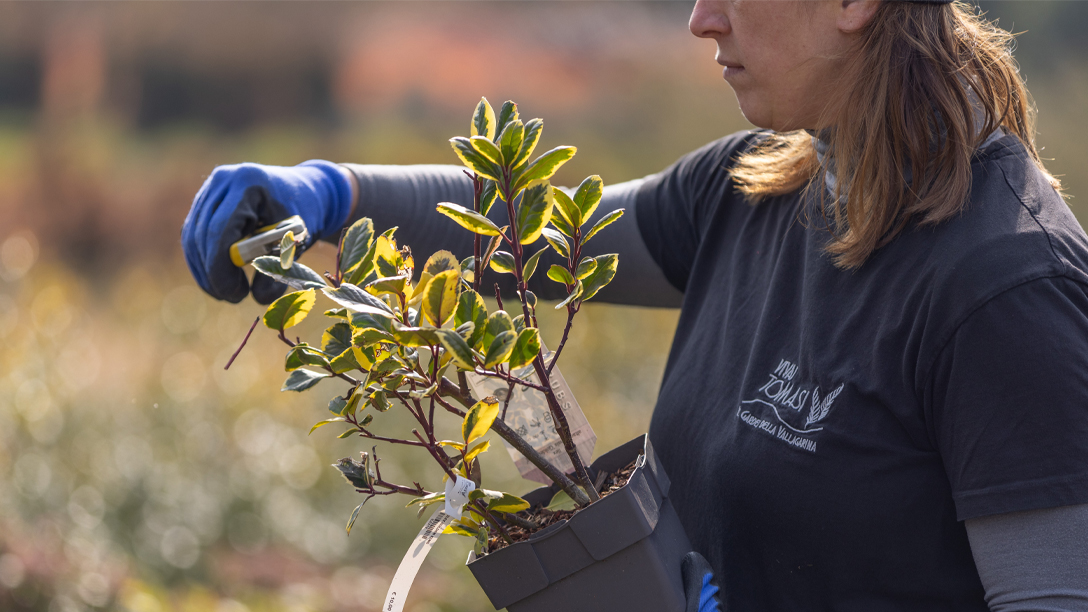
(909, 102)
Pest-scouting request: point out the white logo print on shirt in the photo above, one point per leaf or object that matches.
(783, 393)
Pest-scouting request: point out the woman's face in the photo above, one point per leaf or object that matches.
(781, 57)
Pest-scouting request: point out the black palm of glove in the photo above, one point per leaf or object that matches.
(701, 593)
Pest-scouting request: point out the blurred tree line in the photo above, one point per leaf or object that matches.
(136, 474)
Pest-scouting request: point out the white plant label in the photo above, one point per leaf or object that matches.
(456, 498)
(529, 416)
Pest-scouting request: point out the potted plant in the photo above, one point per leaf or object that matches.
(603, 537)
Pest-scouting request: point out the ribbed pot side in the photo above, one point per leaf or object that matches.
(621, 553)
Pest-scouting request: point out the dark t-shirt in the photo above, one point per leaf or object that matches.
(827, 431)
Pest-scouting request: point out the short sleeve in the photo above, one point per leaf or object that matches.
(672, 205)
(1009, 401)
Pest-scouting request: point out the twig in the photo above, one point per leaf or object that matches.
(571, 311)
(511, 379)
(244, 340)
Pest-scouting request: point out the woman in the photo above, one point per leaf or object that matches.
(877, 396)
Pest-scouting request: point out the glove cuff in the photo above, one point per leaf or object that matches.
(335, 190)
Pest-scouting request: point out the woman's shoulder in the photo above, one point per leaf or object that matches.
(1016, 228)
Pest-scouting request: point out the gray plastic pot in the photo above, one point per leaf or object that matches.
(621, 553)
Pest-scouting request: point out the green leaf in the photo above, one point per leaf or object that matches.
(379, 401)
(462, 529)
(471, 309)
(337, 406)
(477, 449)
(298, 277)
(364, 357)
(509, 504)
(510, 139)
(500, 348)
(483, 120)
(358, 300)
(441, 261)
(356, 472)
(526, 348)
(486, 148)
(393, 285)
(427, 500)
(556, 240)
(519, 323)
(470, 220)
(602, 223)
(362, 269)
(561, 501)
(560, 274)
(472, 158)
(479, 419)
(338, 313)
(508, 113)
(545, 166)
(535, 211)
(457, 348)
(488, 195)
(300, 380)
(503, 262)
(562, 225)
(530, 265)
(588, 196)
(303, 354)
(574, 295)
(440, 297)
(601, 276)
(369, 337)
(357, 241)
(326, 422)
(422, 393)
(530, 300)
(566, 208)
(533, 129)
(355, 515)
(415, 336)
(289, 310)
(498, 322)
(586, 267)
(336, 339)
(347, 434)
(484, 494)
(287, 250)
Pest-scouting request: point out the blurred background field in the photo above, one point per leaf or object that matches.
(135, 473)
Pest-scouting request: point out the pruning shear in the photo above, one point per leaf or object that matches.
(266, 240)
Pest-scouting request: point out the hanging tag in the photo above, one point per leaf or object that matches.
(424, 542)
(457, 496)
(529, 416)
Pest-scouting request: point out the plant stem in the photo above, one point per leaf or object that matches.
(571, 311)
(522, 522)
(366, 434)
(506, 433)
(243, 345)
(513, 380)
(561, 426)
(482, 509)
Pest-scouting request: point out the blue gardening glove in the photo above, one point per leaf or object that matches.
(237, 200)
(702, 596)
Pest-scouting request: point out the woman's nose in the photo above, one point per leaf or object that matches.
(708, 19)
